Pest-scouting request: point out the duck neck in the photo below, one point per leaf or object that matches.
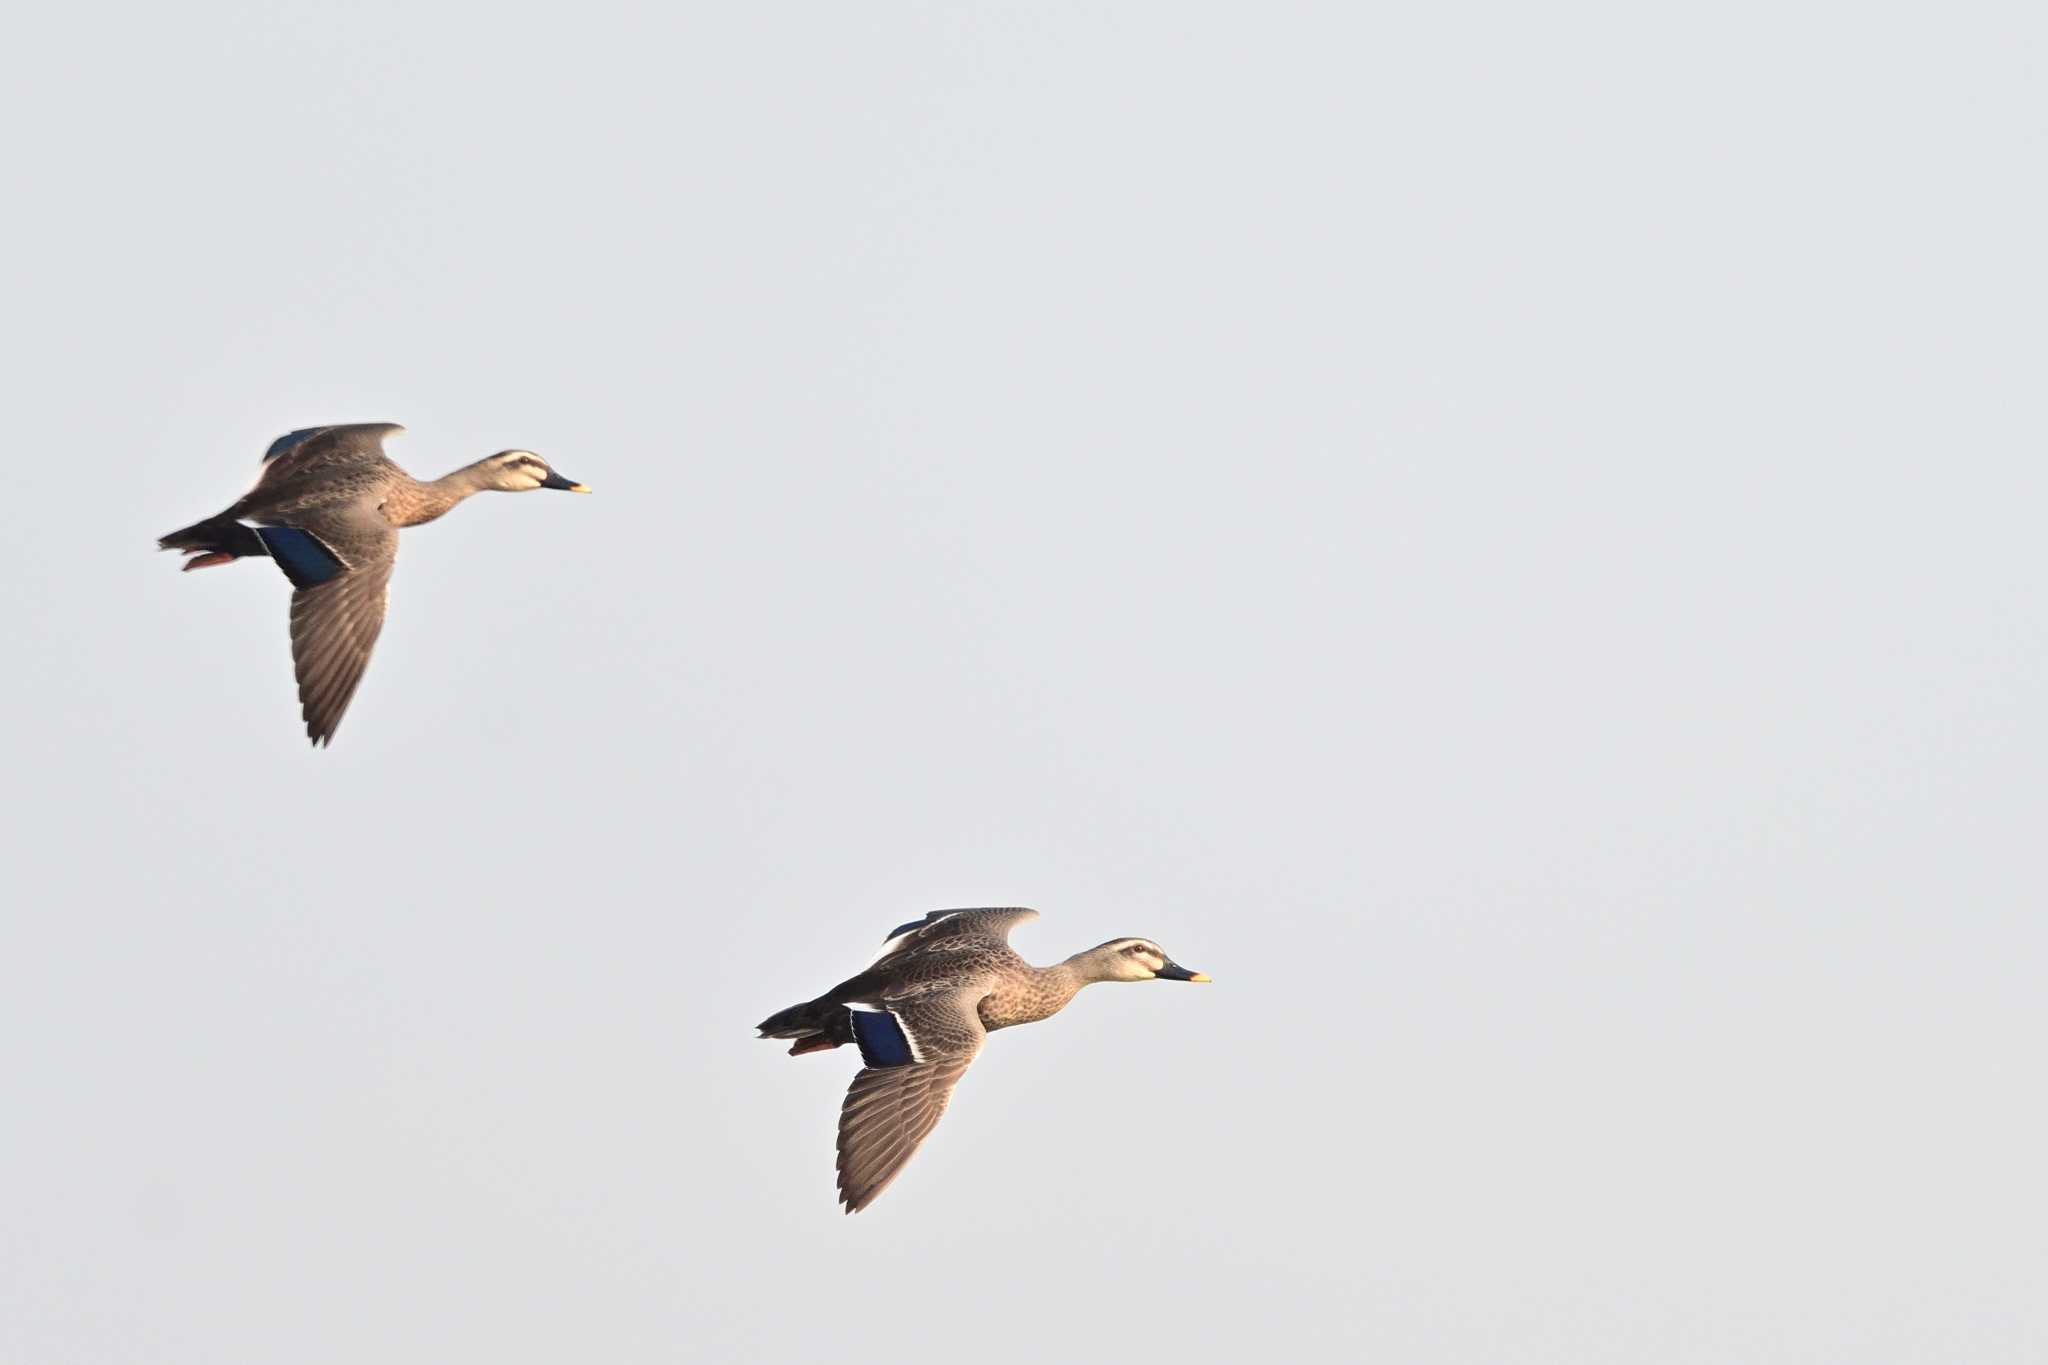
(1066, 979)
(1025, 999)
(1063, 981)
(412, 502)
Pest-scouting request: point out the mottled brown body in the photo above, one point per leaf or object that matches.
(1007, 990)
(288, 495)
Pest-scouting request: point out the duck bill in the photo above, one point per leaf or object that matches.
(554, 480)
(1173, 971)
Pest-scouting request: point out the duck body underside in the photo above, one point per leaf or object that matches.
(828, 1021)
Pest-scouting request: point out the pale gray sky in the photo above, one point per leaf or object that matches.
(1511, 537)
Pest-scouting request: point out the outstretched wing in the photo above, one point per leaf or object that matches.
(993, 923)
(893, 1105)
(336, 620)
(297, 453)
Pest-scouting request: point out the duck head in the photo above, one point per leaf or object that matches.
(1134, 959)
(522, 471)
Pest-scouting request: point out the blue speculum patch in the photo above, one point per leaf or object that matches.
(880, 1038)
(305, 561)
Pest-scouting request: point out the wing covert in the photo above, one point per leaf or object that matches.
(994, 922)
(298, 452)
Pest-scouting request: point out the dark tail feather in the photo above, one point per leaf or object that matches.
(816, 1025)
(216, 540)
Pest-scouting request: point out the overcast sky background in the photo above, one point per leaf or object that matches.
(1510, 537)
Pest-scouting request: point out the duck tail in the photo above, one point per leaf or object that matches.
(216, 540)
(816, 1025)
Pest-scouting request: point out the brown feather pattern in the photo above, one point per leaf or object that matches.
(334, 627)
(888, 1112)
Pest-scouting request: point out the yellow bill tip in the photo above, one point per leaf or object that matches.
(579, 488)
(1201, 976)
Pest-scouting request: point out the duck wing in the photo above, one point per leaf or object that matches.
(341, 570)
(993, 923)
(349, 443)
(305, 470)
(917, 1046)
